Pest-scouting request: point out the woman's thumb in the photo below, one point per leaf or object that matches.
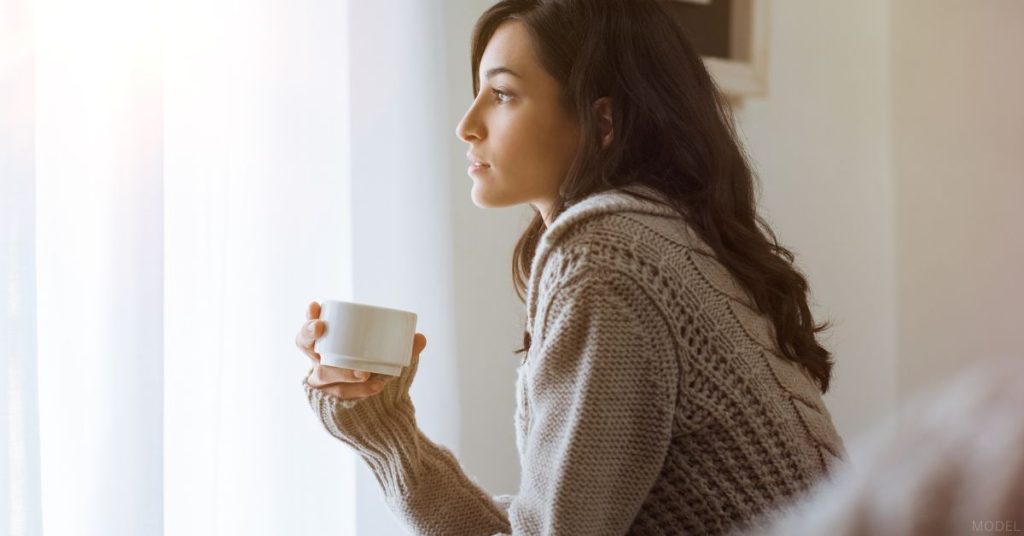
(405, 379)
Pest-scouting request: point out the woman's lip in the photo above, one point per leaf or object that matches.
(477, 167)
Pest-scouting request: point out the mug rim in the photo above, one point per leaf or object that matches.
(367, 306)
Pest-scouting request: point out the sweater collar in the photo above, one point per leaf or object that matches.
(609, 201)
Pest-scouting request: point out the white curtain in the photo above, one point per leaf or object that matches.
(179, 180)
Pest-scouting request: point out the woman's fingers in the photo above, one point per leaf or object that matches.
(354, 390)
(419, 342)
(346, 384)
(350, 391)
(326, 375)
(307, 336)
(322, 374)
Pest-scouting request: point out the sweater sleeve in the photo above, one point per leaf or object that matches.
(601, 392)
(423, 483)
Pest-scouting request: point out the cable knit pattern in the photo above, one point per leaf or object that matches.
(653, 400)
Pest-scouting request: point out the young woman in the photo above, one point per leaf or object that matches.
(671, 382)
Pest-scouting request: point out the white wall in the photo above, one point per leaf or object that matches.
(489, 316)
(958, 157)
(820, 141)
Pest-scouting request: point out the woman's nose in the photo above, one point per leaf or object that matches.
(468, 128)
(460, 130)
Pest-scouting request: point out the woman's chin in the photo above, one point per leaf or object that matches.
(488, 194)
(482, 197)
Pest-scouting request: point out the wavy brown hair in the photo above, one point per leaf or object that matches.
(673, 131)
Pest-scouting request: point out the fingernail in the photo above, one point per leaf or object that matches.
(311, 327)
(362, 375)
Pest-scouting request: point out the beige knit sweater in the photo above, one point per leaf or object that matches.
(652, 401)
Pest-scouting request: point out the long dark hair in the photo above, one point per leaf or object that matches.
(673, 131)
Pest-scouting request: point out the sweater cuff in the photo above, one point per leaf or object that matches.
(382, 428)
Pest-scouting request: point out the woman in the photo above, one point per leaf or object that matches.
(671, 381)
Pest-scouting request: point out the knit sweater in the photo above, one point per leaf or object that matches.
(653, 399)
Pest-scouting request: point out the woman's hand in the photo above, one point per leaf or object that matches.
(343, 383)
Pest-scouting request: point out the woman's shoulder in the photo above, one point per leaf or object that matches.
(629, 230)
(622, 214)
(627, 226)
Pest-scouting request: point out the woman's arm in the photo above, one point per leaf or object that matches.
(601, 393)
(423, 483)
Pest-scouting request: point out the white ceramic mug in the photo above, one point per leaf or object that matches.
(365, 337)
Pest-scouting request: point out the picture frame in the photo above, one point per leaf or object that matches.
(732, 38)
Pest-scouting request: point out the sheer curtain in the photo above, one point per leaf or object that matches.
(179, 180)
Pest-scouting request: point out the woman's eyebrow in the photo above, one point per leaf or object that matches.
(499, 70)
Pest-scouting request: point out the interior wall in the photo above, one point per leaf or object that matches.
(958, 161)
(489, 315)
(820, 141)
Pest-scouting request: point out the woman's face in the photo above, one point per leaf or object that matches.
(517, 127)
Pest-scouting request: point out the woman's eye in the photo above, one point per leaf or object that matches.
(501, 95)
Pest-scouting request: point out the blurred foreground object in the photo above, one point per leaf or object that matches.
(950, 462)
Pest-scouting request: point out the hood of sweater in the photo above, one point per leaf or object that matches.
(618, 200)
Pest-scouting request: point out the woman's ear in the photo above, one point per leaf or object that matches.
(603, 107)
